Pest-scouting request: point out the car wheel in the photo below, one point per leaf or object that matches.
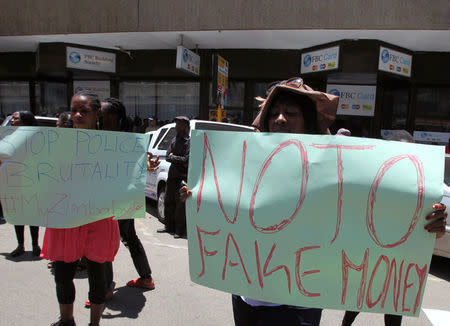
(161, 198)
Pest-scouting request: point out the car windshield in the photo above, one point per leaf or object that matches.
(161, 133)
(164, 145)
(221, 126)
(7, 121)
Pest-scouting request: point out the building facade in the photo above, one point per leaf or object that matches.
(388, 61)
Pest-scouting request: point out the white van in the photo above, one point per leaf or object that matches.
(160, 140)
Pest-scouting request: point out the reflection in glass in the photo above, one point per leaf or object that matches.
(51, 98)
(14, 96)
(432, 109)
(395, 108)
(161, 100)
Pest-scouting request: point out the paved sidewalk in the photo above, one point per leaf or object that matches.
(28, 296)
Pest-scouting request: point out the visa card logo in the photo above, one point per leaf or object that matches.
(355, 107)
(399, 69)
(391, 67)
(344, 106)
(315, 67)
(367, 107)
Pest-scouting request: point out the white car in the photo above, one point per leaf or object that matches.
(42, 121)
(442, 246)
(160, 140)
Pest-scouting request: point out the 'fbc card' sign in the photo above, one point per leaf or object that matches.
(316, 221)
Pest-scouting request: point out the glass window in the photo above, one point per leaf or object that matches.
(234, 116)
(163, 100)
(234, 98)
(395, 108)
(139, 98)
(259, 90)
(51, 98)
(167, 139)
(161, 133)
(14, 96)
(432, 109)
(178, 98)
(234, 102)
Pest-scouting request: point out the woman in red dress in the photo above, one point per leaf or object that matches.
(97, 241)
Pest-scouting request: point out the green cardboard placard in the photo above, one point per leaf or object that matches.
(64, 178)
(316, 221)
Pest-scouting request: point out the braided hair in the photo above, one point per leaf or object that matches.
(93, 98)
(65, 120)
(27, 118)
(117, 108)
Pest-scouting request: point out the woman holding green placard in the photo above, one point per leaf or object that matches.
(293, 107)
(97, 241)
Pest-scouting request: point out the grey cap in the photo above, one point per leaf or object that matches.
(182, 118)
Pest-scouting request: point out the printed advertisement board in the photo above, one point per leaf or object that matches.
(354, 99)
(320, 60)
(90, 60)
(188, 61)
(395, 62)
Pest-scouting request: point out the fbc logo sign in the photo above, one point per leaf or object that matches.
(74, 57)
(185, 55)
(307, 60)
(335, 92)
(385, 56)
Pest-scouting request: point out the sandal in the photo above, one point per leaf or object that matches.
(109, 295)
(141, 283)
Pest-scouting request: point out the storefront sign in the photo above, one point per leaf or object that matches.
(90, 60)
(99, 87)
(395, 62)
(431, 137)
(188, 60)
(354, 100)
(222, 78)
(320, 60)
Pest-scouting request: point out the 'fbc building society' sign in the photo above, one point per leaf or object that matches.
(90, 60)
(315, 221)
(64, 178)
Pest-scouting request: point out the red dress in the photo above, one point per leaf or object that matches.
(97, 241)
